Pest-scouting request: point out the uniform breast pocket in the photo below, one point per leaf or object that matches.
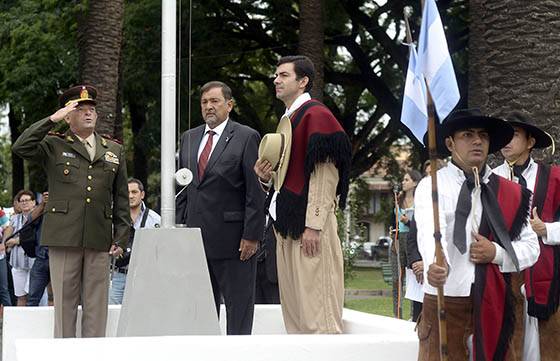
(110, 170)
(67, 170)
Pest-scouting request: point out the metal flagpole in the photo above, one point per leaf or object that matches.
(432, 147)
(168, 106)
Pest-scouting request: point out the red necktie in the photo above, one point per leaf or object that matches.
(203, 160)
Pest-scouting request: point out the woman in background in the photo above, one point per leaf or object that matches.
(20, 262)
(5, 298)
(404, 213)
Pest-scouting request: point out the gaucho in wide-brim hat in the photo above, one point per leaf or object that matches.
(276, 148)
(499, 131)
(78, 94)
(519, 119)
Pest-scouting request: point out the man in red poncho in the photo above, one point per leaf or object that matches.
(310, 261)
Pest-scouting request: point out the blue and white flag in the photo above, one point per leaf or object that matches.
(414, 109)
(435, 63)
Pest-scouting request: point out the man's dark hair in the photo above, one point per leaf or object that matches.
(226, 90)
(303, 66)
(25, 192)
(137, 181)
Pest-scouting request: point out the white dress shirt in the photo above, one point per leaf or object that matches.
(218, 130)
(461, 269)
(530, 174)
(289, 111)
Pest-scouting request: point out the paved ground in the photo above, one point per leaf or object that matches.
(366, 263)
(353, 294)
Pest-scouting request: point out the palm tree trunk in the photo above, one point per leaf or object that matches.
(513, 60)
(100, 34)
(311, 40)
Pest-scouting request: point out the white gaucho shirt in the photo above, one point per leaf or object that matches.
(461, 269)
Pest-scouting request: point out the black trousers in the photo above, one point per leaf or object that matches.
(267, 291)
(234, 281)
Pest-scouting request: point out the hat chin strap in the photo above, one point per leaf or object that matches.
(511, 164)
(553, 143)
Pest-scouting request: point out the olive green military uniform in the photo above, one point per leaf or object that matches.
(87, 212)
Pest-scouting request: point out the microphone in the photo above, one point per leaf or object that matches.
(396, 187)
(183, 177)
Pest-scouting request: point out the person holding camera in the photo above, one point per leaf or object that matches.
(142, 217)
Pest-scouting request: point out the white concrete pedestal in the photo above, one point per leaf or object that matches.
(27, 336)
(168, 290)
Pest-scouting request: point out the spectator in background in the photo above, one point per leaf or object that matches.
(142, 217)
(39, 276)
(440, 163)
(20, 262)
(5, 298)
(404, 211)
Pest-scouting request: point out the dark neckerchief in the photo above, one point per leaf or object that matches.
(491, 212)
(518, 172)
(463, 209)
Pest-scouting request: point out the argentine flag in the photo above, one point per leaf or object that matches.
(434, 61)
(415, 110)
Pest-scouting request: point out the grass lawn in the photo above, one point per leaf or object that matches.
(367, 279)
(372, 279)
(378, 306)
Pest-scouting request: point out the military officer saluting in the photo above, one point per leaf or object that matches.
(87, 215)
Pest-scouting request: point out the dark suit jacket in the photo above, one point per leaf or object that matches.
(227, 203)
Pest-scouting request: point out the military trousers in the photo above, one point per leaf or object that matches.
(79, 276)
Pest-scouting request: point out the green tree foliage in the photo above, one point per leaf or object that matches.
(237, 42)
(38, 55)
(37, 58)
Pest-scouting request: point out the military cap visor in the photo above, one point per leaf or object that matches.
(78, 94)
(542, 138)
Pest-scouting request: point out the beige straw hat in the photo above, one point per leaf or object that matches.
(275, 148)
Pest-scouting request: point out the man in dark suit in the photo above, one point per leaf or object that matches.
(225, 201)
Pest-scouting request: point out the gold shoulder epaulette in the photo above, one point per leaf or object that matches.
(105, 137)
(56, 134)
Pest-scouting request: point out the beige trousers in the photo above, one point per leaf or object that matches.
(312, 288)
(79, 274)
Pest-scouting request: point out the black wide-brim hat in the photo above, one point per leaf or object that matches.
(499, 131)
(542, 138)
(78, 94)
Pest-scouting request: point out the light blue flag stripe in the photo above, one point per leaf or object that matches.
(435, 62)
(414, 109)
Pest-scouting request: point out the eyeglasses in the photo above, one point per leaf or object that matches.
(25, 200)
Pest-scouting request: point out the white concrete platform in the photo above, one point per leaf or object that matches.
(27, 336)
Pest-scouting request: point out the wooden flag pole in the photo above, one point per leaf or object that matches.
(432, 147)
(442, 317)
